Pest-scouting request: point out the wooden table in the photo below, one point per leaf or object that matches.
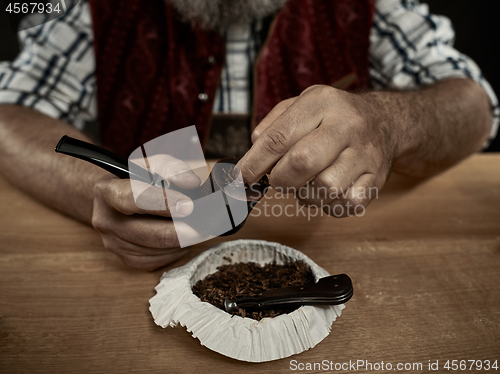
(425, 263)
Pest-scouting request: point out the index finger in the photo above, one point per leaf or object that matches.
(271, 117)
(136, 197)
(299, 119)
(170, 169)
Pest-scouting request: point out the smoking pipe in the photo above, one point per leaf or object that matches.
(204, 218)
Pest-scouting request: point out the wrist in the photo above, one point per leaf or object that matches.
(380, 111)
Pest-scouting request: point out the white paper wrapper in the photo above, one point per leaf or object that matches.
(240, 338)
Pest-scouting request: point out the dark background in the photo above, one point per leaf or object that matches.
(476, 25)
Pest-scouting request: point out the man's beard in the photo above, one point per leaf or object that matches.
(219, 14)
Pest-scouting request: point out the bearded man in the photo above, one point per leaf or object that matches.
(335, 93)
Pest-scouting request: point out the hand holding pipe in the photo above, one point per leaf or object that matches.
(203, 219)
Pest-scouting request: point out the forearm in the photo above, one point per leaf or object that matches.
(28, 160)
(434, 127)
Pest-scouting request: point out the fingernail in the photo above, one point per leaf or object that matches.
(185, 174)
(184, 207)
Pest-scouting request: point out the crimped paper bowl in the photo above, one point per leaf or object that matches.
(240, 338)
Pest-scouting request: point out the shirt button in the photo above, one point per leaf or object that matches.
(212, 60)
(203, 97)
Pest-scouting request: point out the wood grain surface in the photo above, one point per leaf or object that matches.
(424, 260)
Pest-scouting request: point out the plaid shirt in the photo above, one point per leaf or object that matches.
(55, 71)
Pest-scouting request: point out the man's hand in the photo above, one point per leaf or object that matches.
(136, 228)
(337, 149)
(327, 145)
